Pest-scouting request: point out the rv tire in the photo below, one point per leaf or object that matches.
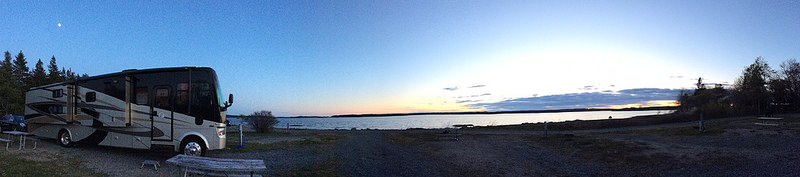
(64, 139)
(191, 145)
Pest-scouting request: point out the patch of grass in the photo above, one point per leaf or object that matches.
(13, 165)
(235, 134)
(321, 139)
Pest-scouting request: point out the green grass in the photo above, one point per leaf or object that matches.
(235, 134)
(13, 165)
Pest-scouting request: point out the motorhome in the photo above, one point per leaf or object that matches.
(179, 107)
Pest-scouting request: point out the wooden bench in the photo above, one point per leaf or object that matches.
(217, 166)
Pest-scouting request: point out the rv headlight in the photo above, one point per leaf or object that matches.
(221, 131)
(21, 124)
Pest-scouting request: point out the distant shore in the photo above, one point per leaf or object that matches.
(506, 112)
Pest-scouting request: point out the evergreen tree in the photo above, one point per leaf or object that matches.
(70, 75)
(38, 76)
(20, 71)
(63, 73)
(6, 66)
(53, 75)
(8, 94)
(5, 70)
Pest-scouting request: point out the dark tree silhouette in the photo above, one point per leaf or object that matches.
(750, 91)
(262, 121)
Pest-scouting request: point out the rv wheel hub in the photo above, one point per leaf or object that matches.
(192, 148)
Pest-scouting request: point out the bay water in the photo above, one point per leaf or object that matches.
(447, 121)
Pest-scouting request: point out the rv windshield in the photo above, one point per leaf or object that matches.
(220, 98)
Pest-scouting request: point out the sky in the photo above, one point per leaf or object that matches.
(325, 57)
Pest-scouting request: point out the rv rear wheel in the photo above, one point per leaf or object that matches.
(193, 146)
(64, 139)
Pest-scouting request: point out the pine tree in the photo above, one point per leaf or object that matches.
(11, 99)
(38, 76)
(53, 75)
(6, 66)
(6, 91)
(5, 70)
(20, 71)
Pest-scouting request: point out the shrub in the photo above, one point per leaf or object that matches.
(262, 121)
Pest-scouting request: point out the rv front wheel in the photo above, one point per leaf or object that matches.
(193, 147)
(64, 139)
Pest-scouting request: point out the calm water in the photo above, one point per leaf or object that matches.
(447, 121)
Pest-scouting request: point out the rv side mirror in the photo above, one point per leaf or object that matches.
(228, 103)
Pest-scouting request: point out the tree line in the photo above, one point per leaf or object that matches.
(760, 90)
(16, 78)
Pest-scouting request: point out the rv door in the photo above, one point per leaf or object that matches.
(161, 113)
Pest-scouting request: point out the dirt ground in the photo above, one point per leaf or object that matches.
(734, 147)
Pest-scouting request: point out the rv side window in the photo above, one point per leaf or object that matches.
(56, 109)
(91, 96)
(202, 93)
(182, 98)
(162, 98)
(58, 93)
(141, 95)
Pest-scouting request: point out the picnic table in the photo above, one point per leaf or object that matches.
(217, 166)
(22, 136)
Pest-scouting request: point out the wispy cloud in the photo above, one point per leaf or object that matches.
(469, 101)
(477, 86)
(583, 100)
(451, 88)
(588, 87)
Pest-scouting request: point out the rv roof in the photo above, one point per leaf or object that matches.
(127, 71)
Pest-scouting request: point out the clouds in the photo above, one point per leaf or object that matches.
(582, 100)
(456, 87)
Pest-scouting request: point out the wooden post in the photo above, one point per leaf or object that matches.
(545, 129)
(241, 135)
(702, 129)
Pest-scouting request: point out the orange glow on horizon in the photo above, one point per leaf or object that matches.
(651, 103)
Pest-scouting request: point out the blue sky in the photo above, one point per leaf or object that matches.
(342, 57)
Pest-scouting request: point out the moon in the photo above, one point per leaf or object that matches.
(59, 24)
